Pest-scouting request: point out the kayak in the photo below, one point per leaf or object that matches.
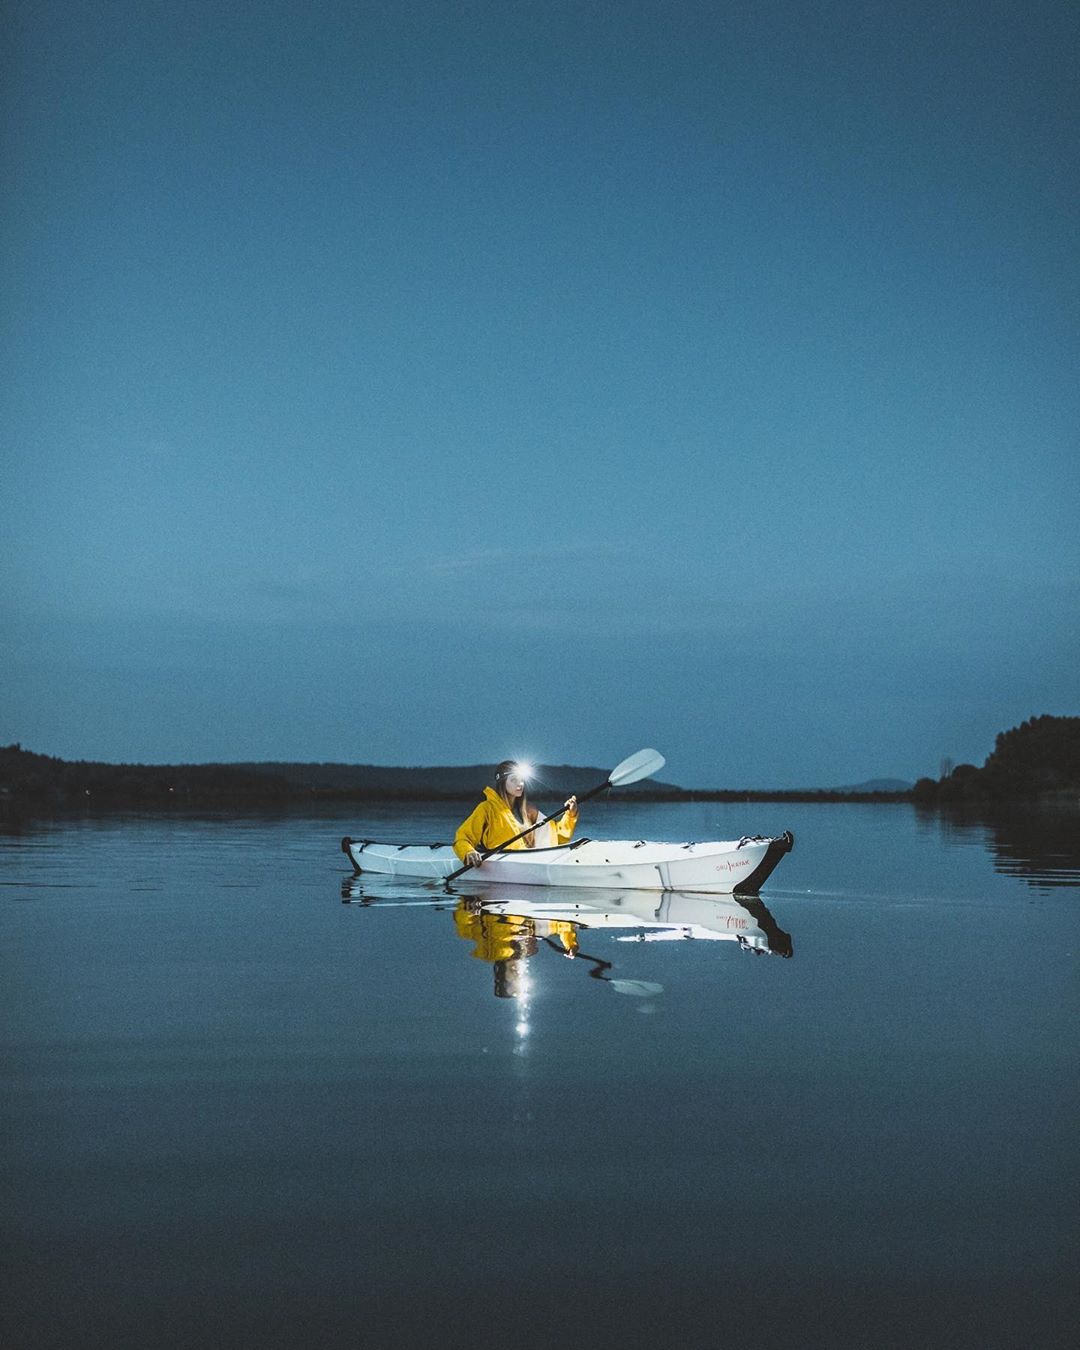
(731, 867)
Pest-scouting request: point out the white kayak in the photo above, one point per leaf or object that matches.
(731, 867)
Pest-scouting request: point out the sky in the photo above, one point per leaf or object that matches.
(417, 383)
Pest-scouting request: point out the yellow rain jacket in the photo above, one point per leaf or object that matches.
(493, 823)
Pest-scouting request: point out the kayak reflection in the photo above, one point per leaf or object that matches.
(508, 931)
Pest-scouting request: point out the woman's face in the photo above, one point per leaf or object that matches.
(514, 784)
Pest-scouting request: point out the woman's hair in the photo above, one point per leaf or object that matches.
(520, 809)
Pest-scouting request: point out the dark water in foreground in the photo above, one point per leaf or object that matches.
(240, 1112)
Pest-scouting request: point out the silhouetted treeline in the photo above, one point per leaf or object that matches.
(35, 782)
(1038, 759)
(43, 782)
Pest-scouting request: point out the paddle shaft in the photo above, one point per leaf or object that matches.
(584, 797)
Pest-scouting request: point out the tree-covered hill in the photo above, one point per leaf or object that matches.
(1040, 758)
(43, 781)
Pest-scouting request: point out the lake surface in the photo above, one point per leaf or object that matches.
(251, 1101)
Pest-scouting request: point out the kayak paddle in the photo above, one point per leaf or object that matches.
(642, 765)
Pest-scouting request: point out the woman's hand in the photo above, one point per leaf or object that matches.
(473, 858)
(571, 805)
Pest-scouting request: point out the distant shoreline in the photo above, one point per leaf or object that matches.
(16, 809)
(35, 782)
(1035, 763)
(104, 799)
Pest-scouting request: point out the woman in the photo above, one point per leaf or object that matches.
(504, 813)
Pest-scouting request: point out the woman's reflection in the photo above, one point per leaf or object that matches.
(507, 941)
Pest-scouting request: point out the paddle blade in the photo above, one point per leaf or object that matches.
(642, 765)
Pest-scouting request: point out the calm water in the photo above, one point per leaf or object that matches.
(250, 1102)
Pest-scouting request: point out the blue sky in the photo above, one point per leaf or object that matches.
(417, 383)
